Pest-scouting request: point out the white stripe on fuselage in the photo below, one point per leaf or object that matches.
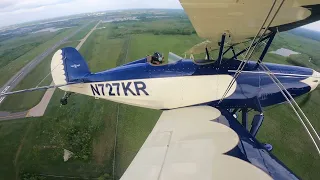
(264, 72)
(159, 93)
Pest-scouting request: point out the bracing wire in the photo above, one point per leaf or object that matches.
(252, 48)
(34, 89)
(290, 99)
(47, 75)
(252, 42)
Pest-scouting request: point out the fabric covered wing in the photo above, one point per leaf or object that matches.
(187, 144)
(243, 18)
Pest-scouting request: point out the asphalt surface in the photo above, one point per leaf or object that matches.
(15, 80)
(40, 108)
(9, 116)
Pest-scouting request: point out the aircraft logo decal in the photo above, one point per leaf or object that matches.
(75, 65)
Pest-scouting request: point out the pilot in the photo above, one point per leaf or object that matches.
(155, 59)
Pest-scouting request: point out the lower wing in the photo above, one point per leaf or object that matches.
(202, 142)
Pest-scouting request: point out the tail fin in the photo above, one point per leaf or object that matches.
(67, 66)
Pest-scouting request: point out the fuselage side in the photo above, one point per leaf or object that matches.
(186, 83)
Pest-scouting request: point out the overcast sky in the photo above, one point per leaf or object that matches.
(18, 11)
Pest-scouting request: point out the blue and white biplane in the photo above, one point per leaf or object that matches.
(198, 135)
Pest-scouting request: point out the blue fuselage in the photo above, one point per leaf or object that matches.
(254, 86)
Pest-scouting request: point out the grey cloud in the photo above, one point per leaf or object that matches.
(10, 6)
(19, 11)
(6, 4)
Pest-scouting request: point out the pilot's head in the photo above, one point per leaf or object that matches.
(157, 58)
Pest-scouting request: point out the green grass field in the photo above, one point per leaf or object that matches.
(7, 71)
(81, 34)
(14, 48)
(26, 39)
(100, 51)
(22, 102)
(87, 126)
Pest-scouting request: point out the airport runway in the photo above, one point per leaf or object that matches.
(14, 80)
(40, 108)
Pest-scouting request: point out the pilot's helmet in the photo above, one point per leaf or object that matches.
(157, 57)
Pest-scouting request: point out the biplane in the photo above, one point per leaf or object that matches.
(198, 135)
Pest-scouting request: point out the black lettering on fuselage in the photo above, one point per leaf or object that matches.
(110, 89)
(141, 88)
(113, 89)
(95, 90)
(102, 88)
(126, 88)
(118, 87)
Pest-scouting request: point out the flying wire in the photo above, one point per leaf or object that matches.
(286, 94)
(290, 99)
(252, 47)
(252, 42)
(37, 87)
(34, 89)
(48, 74)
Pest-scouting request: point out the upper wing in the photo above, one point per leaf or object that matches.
(187, 144)
(241, 19)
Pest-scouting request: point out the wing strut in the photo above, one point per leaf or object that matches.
(231, 47)
(223, 37)
(244, 50)
(271, 37)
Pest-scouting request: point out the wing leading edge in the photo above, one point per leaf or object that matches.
(241, 19)
(188, 143)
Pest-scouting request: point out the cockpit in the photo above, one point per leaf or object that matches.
(156, 59)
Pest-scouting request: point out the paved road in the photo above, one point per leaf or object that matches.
(39, 109)
(14, 80)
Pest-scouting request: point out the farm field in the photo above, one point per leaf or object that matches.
(13, 59)
(87, 127)
(21, 102)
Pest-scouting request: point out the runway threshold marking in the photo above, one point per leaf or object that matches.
(5, 89)
(1, 99)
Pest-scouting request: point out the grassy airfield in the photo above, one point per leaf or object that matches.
(34, 146)
(22, 102)
(16, 53)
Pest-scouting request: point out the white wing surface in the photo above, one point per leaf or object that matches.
(187, 144)
(241, 19)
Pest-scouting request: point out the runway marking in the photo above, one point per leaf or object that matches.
(1, 99)
(17, 77)
(5, 89)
